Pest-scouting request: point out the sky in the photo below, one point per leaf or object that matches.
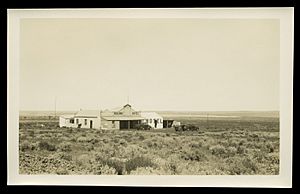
(154, 64)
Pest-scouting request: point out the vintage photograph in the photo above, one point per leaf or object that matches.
(149, 96)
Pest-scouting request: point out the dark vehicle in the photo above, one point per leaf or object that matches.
(188, 127)
(143, 127)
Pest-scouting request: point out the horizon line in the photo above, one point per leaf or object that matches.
(160, 110)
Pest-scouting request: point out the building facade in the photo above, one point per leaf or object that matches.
(120, 118)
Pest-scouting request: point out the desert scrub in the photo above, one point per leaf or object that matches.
(102, 169)
(194, 155)
(240, 166)
(138, 161)
(118, 165)
(25, 146)
(44, 145)
(65, 147)
(231, 151)
(218, 150)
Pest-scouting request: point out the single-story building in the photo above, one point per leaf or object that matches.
(123, 118)
(88, 119)
(119, 118)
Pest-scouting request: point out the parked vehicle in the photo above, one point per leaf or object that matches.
(143, 126)
(188, 127)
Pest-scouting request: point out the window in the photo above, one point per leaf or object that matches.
(71, 120)
(85, 121)
(113, 122)
(150, 120)
(77, 121)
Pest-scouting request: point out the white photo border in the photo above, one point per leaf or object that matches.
(283, 180)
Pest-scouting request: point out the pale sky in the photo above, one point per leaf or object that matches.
(161, 64)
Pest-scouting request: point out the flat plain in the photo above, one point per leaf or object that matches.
(227, 143)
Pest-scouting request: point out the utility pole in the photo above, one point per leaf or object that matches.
(55, 107)
(207, 121)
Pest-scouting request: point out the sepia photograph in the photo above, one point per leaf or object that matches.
(173, 92)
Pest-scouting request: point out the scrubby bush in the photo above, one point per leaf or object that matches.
(44, 145)
(249, 163)
(273, 158)
(100, 169)
(82, 139)
(141, 137)
(240, 166)
(241, 149)
(65, 147)
(231, 151)
(136, 162)
(196, 144)
(217, 150)
(62, 171)
(195, 155)
(66, 156)
(25, 145)
(270, 147)
(118, 165)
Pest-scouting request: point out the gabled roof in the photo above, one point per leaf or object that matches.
(122, 118)
(67, 116)
(88, 113)
(116, 108)
(150, 114)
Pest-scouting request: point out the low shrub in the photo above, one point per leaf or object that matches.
(195, 155)
(100, 169)
(82, 139)
(65, 147)
(231, 151)
(241, 149)
(240, 166)
(62, 171)
(139, 161)
(25, 145)
(119, 166)
(43, 145)
(217, 150)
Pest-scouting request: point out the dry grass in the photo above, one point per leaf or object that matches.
(236, 150)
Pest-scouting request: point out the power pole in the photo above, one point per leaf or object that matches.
(55, 107)
(207, 121)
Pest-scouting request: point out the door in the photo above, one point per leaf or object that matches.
(91, 124)
(155, 123)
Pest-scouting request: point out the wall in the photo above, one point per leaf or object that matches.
(105, 124)
(65, 122)
(96, 122)
(152, 116)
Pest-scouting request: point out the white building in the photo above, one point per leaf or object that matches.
(88, 119)
(152, 119)
(121, 118)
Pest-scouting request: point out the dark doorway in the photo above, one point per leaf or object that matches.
(155, 123)
(91, 124)
(124, 125)
(129, 124)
